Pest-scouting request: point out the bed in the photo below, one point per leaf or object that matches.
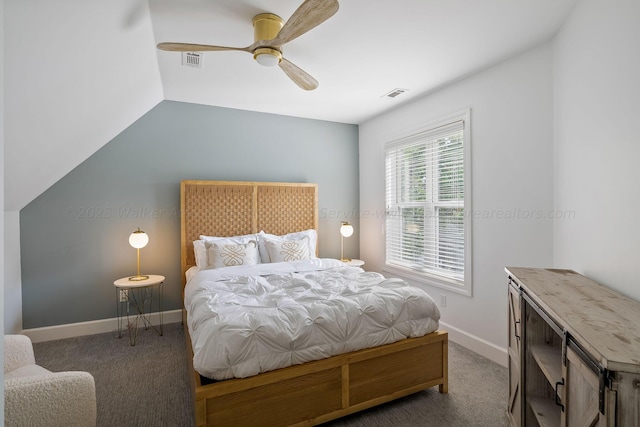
(306, 393)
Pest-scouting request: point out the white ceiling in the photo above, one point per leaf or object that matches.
(364, 51)
(78, 72)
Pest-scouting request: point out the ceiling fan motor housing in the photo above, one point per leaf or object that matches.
(266, 26)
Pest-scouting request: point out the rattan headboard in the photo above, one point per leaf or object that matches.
(230, 208)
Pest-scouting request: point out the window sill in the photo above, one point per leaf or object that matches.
(427, 279)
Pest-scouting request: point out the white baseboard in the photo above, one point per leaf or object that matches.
(49, 333)
(478, 345)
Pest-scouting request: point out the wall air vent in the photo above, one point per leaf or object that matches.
(192, 59)
(395, 92)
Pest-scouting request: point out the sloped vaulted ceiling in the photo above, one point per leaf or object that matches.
(78, 72)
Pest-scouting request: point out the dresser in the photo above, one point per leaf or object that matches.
(574, 351)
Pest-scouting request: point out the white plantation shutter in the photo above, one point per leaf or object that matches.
(425, 201)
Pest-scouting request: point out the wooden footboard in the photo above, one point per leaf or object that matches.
(319, 391)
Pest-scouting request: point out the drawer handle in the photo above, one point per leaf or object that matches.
(559, 383)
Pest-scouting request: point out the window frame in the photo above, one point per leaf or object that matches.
(464, 286)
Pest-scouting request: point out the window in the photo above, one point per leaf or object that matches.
(427, 201)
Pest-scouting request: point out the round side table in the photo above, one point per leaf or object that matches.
(139, 294)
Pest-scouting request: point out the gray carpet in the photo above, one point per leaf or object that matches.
(147, 385)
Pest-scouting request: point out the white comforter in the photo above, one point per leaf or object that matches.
(247, 320)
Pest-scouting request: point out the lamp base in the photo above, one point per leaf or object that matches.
(345, 259)
(138, 278)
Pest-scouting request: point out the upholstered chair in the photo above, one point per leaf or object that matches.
(34, 396)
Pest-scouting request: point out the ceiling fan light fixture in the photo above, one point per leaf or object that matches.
(267, 57)
(270, 33)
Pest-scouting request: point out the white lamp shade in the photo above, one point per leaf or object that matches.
(346, 229)
(138, 239)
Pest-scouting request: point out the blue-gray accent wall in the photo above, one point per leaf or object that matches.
(74, 236)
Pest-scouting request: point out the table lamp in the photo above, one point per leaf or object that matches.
(346, 230)
(138, 239)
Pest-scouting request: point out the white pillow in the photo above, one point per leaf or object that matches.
(229, 254)
(285, 250)
(200, 252)
(311, 234)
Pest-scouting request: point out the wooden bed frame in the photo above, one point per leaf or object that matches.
(313, 392)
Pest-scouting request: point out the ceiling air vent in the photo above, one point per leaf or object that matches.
(192, 59)
(395, 92)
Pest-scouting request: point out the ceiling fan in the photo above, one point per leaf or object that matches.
(270, 34)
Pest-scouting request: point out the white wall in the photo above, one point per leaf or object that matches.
(2, 198)
(11, 276)
(597, 147)
(512, 177)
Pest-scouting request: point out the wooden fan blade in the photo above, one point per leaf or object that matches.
(299, 77)
(190, 47)
(309, 15)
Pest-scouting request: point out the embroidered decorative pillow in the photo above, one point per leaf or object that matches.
(225, 254)
(233, 240)
(280, 250)
(311, 234)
